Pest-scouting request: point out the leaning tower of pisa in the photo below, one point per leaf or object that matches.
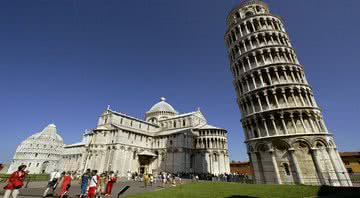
(286, 137)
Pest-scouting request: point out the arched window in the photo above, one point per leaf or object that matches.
(174, 124)
(237, 15)
(249, 13)
(134, 155)
(184, 123)
(215, 157)
(286, 168)
(256, 134)
(171, 142)
(36, 154)
(258, 9)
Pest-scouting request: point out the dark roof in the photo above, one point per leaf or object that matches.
(239, 163)
(349, 154)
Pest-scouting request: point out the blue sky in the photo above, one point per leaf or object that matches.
(64, 61)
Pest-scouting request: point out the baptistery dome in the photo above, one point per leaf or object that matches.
(41, 152)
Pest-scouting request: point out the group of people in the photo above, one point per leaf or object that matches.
(150, 179)
(92, 184)
(63, 178)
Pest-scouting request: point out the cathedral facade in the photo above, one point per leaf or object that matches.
(164, 141)
(286, 136)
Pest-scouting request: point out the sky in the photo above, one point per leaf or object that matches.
(64, 61)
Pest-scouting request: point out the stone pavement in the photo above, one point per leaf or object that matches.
(36, 189)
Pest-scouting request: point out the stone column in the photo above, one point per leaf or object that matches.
(343, 167)
(115, 164)
(285, 98)
(268, 75)
(274, 125)
(276, 168)
(333, 163)
(318, 165)
(302, 123)
(293, 123)
(259, 101)
(253, 80)
(296, 165)
(267, 100)
(311, 123)
(261, 79)
(276, 99)
(283, 123)
(266, 128)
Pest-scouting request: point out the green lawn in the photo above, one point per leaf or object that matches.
(234, 190)
(37, 177)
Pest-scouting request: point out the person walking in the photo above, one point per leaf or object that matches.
(15, 182)
(53, 181)
(66, 183)
(151, 180)
(84, 182)
(110, 183)
(146, 180)
(103, 182)
(93, 184)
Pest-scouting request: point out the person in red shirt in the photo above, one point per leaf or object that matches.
(16, 181)
(109, 185)
(66, 183)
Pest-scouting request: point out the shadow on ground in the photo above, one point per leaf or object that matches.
(343, 192)
(240, 196)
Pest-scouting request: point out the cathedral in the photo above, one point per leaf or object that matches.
(164, 141)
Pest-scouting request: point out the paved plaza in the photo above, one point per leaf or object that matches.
(36, 189)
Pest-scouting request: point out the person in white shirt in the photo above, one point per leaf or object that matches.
(53, 181)
(93, 184)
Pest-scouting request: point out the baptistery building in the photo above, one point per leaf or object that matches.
(286, 136)
(41, 152)
(164, 141)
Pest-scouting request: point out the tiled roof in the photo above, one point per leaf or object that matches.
(349, 154)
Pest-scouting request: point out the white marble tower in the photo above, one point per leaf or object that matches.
(286, 137)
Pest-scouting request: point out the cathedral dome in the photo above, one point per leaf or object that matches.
(162, 106)
(160, 111)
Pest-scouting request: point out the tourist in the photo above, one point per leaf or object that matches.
(164, 179)
(93, 184)
(84, 182)
(110, 182)
(103, 181)
(146, 179)
(151, 179)
(53, 181)
(129, 176)
(65, 184)
(16, 181)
